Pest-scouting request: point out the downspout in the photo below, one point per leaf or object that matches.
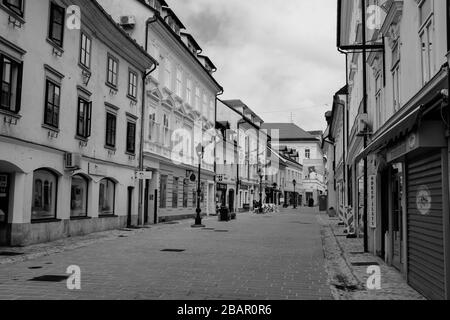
(215, 146)
(141, 143)
(364, 58)
(345, 129)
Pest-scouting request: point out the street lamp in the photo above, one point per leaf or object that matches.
(200, 153)
(260, 173)
(295, 195)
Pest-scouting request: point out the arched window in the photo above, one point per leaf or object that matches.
(106, 201)
(44, 195)
(79, 197)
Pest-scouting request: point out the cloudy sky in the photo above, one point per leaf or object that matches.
(278, 56)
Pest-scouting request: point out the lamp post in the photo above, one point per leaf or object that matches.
(260, 173)
(295, 195)
(198, 220)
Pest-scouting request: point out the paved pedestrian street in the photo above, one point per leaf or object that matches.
(276, 256)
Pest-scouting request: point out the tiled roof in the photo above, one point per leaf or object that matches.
(289, 131)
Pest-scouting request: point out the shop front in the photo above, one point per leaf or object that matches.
(411, 227)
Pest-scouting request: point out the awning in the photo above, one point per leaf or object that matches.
(403, 127)
(392, 133)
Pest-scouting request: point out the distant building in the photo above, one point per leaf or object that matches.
(287, 136)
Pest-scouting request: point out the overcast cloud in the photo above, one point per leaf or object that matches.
(278, 56)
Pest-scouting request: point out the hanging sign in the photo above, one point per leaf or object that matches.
(372, 202)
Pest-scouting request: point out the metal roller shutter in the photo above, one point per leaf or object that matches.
(425, 226)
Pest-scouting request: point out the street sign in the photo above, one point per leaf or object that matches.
(144, 175)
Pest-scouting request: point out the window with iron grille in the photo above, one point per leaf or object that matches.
(111, 121)
(85, 50)
(52, 104)
(11, 84)
(15, 5)
(113, 71)
(132, 84)
(131, 137)
(84, 118)
(56, 29)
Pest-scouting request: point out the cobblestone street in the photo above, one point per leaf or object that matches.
(277, 256)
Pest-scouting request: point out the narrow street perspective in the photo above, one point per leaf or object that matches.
(224, 150)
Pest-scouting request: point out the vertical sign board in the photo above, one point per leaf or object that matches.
(372, 202)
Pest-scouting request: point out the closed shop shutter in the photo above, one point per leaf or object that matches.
(425, 226)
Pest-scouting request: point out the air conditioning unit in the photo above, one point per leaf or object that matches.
(363, 125)
(72, 161)
(127, 22)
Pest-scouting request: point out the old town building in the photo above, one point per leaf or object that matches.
(397, 117)
(309, 155)
(179, 115)
(71, 101)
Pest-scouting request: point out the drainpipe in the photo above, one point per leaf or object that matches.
(364, 58)
(215, 148)
(345, 130)
(141, 143)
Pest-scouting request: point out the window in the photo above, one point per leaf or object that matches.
(85, 50)
(11, 84)
(211, 110)
(185, 192)
(166, 130)
(52, 102)
(378, 103)
(111, 121)
(194, 197)
(426, 34)
(132, 84)
(205, 105)
(84, 118)
(168, 74)
(179, 82)
(79, 197)
(14, 5)
(57, 19)
(131, 137)
(308, 154)
(175, 193)
(113, 70)
(106, 199)
(153, 127)
(396, 87)
(163, 190)
(197, 98)
(189, 91)
(44, 195)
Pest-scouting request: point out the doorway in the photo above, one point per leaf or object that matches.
(397, 186)
(130, 206)
(231, 200)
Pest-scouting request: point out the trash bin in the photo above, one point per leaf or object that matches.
(224, 214)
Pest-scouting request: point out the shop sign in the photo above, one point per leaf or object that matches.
(372, 202)
(423, 200)
(222, 187)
